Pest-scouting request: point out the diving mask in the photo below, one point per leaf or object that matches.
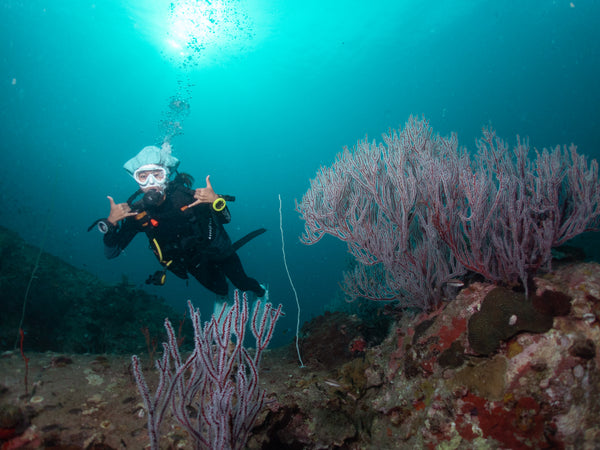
(151, 175)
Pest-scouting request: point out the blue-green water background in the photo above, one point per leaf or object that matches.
(85, 85)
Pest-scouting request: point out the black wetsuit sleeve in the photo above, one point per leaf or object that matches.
(224, 216)
(118, 237)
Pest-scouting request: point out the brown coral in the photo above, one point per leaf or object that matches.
(503, 314)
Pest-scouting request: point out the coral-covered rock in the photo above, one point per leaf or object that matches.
(13, 421)
(552, 303)
(583, 348)
(486, 378)
(328, 339)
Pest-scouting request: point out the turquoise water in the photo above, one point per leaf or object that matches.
(275, 89)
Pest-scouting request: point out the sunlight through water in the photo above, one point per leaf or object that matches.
(193, 35)
(196, 33)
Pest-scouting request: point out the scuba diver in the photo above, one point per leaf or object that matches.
(184, 226)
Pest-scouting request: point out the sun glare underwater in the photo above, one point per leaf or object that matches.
(192, 33)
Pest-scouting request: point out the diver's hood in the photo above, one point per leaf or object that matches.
(152, 155)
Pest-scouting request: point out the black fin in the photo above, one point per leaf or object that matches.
(237, 244)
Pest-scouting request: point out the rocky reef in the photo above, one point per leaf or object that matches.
(69, 309)
(489, 369)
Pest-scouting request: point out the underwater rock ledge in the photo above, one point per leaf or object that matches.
(69, 309)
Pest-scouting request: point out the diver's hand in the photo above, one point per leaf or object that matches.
(204, 195)
(119, 211)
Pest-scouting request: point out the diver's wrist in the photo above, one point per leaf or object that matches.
(106, 226)
(219, 204)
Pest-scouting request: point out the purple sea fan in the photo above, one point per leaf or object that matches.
(508, 211)
(219, 379)
(374, 198)
(417, 211)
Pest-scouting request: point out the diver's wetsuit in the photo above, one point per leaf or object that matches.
(194, 240)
